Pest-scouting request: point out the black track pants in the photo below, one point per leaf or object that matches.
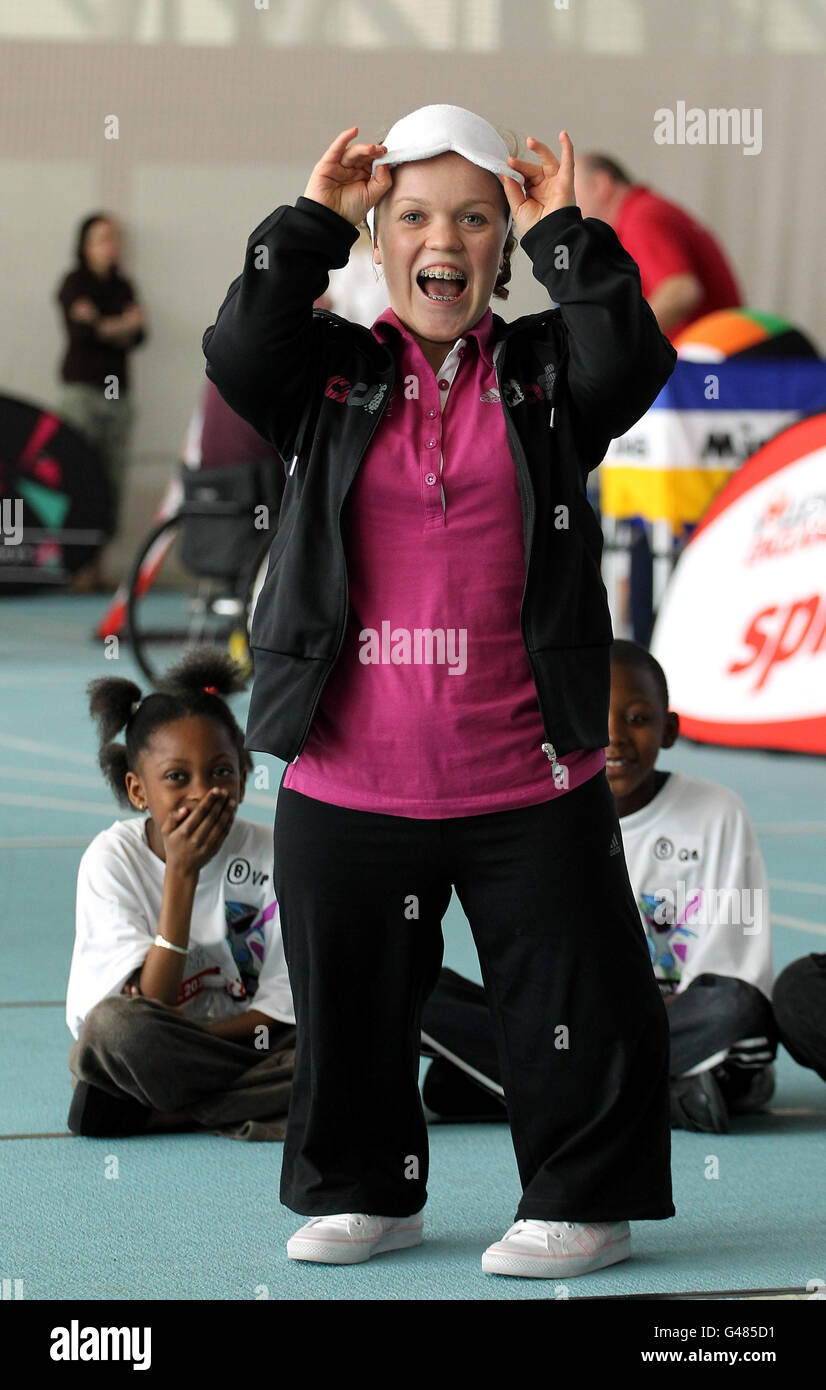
(581, 1030)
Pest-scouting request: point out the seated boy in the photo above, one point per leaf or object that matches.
(700, 884)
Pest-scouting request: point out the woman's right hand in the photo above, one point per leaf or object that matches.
(342, 180)
(192, 837)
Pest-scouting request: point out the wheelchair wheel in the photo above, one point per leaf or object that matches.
(170, 610)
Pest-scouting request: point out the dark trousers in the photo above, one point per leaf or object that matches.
(714, 1013)
(138, 1050)
(580, 1029)
(799, 1000)
(641, 587)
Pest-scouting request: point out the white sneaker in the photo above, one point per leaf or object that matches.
(353, 1237)
(554, 1249)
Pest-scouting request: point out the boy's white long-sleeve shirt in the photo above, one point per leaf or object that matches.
(700, 884)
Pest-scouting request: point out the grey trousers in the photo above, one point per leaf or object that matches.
(131, 1046)
(107, 424)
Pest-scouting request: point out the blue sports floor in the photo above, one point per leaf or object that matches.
(198, 1217)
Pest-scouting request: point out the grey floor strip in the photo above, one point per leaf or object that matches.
(64, 1134)
(34, 1004)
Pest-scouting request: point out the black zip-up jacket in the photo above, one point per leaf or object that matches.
(570, 378)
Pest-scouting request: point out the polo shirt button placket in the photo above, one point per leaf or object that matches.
(431, 478)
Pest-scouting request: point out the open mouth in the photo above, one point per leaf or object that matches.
(441, 285)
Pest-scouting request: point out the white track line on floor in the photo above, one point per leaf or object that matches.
(798, 924)
(46, 750)
(31, 626)
(43, 774)
(78, 780)
(26, 678)
(70, 755)
(791, 827)
(792, 885)
(42, 841)
(55, 803)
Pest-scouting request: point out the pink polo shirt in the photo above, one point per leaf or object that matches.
(431, 709)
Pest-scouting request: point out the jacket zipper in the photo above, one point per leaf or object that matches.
(550, 753)
(367, 442)
(498, 355)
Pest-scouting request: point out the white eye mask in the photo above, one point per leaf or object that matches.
(436, 130)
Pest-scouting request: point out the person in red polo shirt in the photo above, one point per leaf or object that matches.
(684, 275)
(683, 270)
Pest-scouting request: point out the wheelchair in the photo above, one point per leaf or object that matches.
(197, 575)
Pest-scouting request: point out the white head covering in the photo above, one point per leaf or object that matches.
(435, 130)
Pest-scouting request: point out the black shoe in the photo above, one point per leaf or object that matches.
(97, 1115)
(746, 1090)
(697, 1104)
(451, 1094)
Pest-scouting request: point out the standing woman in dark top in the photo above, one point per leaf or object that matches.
(104, 322)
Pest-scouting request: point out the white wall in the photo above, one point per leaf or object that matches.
(213, 137)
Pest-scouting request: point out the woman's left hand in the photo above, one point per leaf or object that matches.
(548, 185)
(84, 311)
(133, 317)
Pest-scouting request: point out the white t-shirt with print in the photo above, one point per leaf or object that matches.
(235, 959)
(700, 884)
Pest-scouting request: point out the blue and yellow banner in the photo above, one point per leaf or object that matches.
(708, 419)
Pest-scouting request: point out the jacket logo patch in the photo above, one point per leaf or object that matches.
(546, 381)
(337, 388)
(363, 393)
(515, 392)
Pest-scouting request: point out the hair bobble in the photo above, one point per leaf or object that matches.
(211, 690)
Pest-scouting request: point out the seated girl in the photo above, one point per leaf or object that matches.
(178, 997)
